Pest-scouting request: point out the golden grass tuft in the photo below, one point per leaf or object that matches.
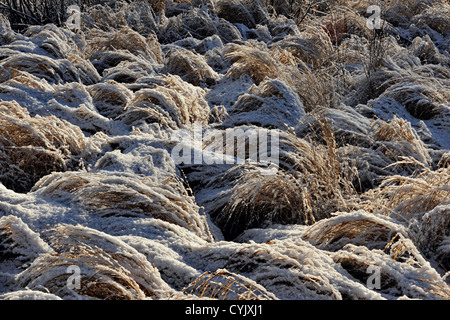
(109, 268)
(422, 96)
(258, 201)
(308, 186)
(319, 167)
(18, 243)
(124, 39)
(125, 196)
(169, 101)
(435, 17)
(359, 228)
(190, 66)
(251, 60)
(67, 66)
(248, 12)
(40, 66)
(398, 140)
(271, 104)
(432, 233)
(110, 97)
(225, 285)
(22, 78)
(415, 194)
(32, 147)
(58, 42)
(423, 281)
(292, 268)
(303, 73)
(403, 11)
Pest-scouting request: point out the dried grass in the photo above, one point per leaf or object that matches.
(190, 66)
(292, 268)
(224, 285)
(109, 269)
(418, 193)
(257, 201)
(358, 228)
(423, 199)
(32, 147)
(431, 232)
(124, 39)
(169, 101)
(20, 79)
(247, 12)
(7, 35)
(412, 277)
(142, 16)
(398, 140)
(435, 16)
(52, 70)
(324, 164)
(402, 12)
(58, 42)
(251, 60)
(18, 243)
(309, 185)
(421, 100)
(322, 60)
(443, 254)
(110, 98)
(125, 196)
(270, 104)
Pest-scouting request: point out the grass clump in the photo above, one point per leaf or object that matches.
(109, 268)
(33, 147)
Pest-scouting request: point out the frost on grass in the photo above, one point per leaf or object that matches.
(88, 117)
(28, 295)
(273, 100)
(32, 147)
(109, 268)
(19, 244)
(224, 285)
(359, 228)
(111, 196)
(169, 101)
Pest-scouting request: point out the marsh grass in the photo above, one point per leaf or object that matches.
(109, 269)
(32, 147)
(224, 285)
(127, 197)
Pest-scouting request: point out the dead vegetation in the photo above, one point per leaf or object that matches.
(399, 141)
(32, 147)
(224, 285)
(169, 101)
(418, 193)
(192, 67)
(252, 61)
(361, 116)
(358, 228)
(110, 196)
(258, 201)
(307, 186)
(125, 39)
(18, 243)
(356, 260)
(109, 269)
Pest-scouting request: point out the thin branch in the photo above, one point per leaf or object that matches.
(23, 14)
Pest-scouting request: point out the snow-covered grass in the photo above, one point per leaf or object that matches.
(94, 206)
